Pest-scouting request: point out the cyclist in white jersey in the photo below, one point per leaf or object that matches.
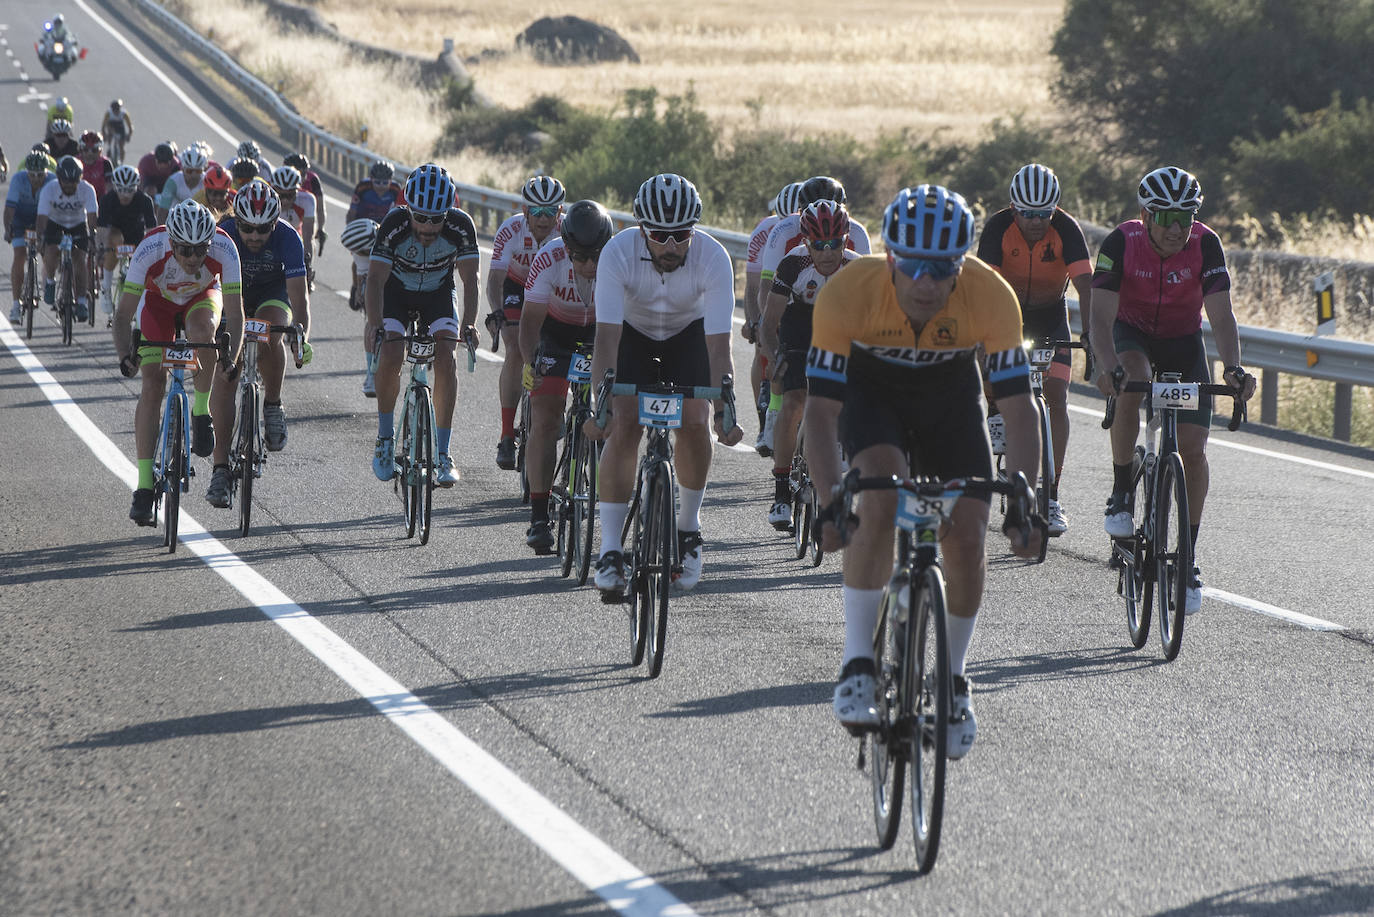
(67, 207)
(298, 208)
(557, 321)
(664, 292)
(183, 185)
(786, 202)
(514, 247)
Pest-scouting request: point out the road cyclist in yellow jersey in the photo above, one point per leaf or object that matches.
(892, 365)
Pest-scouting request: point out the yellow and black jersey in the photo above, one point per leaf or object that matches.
(857, 310)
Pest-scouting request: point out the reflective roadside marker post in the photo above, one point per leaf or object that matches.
(1324, 286)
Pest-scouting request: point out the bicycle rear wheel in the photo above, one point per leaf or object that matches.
(662, 546)
(522, 435)
(422, 482)
(405, 452)
(584, 505)
(246, 454)
(887, 753)
(1173, 552)
(561, 502)
(928, 693)
(634, 575)
(817, 555)
(92, 284)
(173, 471)
(30, 296)
(1042, 492)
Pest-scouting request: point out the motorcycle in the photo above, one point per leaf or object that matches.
(57, 55)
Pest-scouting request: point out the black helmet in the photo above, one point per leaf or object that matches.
(164, 153)
(587, 227)
(822, 188)
(36, 161)
(69, 169)
(299, 161)
(41, 147)
(243, 169)
(381, 170)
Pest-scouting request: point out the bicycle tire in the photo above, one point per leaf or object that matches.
(813, 513)
(634, 575)
(30, 297)
(247, 456)
(173, 470)
(423, 493)
(1135, 579)
(522, 436)
(1042, 493)
(405, 461)
(585, 498)
(928, 642)
(1173, 552)
(887, 764)
(66, 302)
(561, 500)
(92, 284)
(660, 578)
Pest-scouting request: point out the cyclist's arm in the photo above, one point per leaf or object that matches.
(496, 278)
(821, 423)
(605, 349)
(1104, 306)
(768, 326)
(377, 276)
(233, 320)
(299, 297)
(1022, 420)
(129, 127)
(531, 321)
(467, 274)
(1225, 332)
(751, 298)
(1083, 286)
(9, 221)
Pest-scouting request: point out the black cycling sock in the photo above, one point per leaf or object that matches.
(539, 508)
(1121, 478)
(1192, 532)
(782, 487)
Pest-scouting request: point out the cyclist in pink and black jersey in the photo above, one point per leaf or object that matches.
(515, 245)
(1154, 278)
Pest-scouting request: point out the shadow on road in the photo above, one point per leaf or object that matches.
(1347, 891)
(1012, 671)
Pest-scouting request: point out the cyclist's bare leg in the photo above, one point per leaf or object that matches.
(148, 414)
(868, 557)
(1126, 427)
(692, 444)
(21, 260)
(49, 262)
(546, 414)
(390, 357)
(789, 421)
(79, 268)
(965, 560)
(113, 239)
(445, 378)
(272, 357)
(616, 471)
(509, 383)
(201, 324)
(1192, 446)
(223, 411)
(1057, 401)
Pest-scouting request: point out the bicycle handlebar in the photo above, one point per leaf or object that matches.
(220, 344)
(609, 387)
(1239, 412)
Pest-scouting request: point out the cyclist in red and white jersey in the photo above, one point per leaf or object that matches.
(1155, 276)
(787, 202)
(298, 208)
(310, 181)
(185, 183)
(516, 242)
(557, 320)
(187, 268)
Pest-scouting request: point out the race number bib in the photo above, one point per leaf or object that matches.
(257, 331)
(580, 369)
(915, 511)
(660, 411)
(420, 351)
(1176, 396)
(997, 433)
(1042, 357)
(179, 356)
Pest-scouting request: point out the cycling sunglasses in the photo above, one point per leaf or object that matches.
(248, 229)
(581, 257)
(937, 268)
(1036, 214)
(825, 245)
(431, 219)
(664, 236)
(1167, 218)
(543, 211)
(191, 251)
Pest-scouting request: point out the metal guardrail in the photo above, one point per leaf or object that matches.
(1347, 363)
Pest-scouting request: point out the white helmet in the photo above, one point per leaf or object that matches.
(668, 201)
(125, 178)
(543, 191)
(1035, 187)
(359, 235)
(189, 223)
(788, 200)
(286, 178)
(1170, 188)
(193, 157)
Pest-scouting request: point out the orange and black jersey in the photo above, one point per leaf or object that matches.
(857, 310)
(1039, 272)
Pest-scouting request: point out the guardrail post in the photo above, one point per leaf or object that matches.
(1340, 423)
(1269, 397)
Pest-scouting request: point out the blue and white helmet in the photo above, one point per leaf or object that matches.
(429, 189)
(668, 201)
(928, 221)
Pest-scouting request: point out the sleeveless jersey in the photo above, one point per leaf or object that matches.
(553, 281)
(1161, 296)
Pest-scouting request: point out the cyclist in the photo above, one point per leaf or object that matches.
(96, 168)
(374, 197)
(418, 249)
(516, 242)
(242, 171)
(157, 167)
(558, 318)
(655, 304)
(1154, 278)
(60, 140)
(310, 181)
(117, 128)
(358, 237)
(185, 184)
(298, 209)
(272, 262)
(67, 207)
(892, 363)
(187, 268)
(1039, 249)
(125, 215)
(21, 212)
(60, 110)
(42, 147)
(249, 149)
(787, 201)
(217, 191)
(782, 238)
(785, 332)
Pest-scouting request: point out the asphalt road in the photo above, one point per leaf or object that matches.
(310, 719)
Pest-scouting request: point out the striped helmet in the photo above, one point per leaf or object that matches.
(257, 204)
(1035, 187)
(668, 201)
(359, 235)
(1170, 188)
(543, 191)
(788, 200)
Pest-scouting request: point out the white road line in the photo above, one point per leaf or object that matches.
(1255, 450)
(1272, 611)
(586, 857)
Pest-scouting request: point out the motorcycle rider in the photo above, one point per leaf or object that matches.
(55, 32)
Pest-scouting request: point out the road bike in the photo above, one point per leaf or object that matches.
(911, 654)
(248, 456)
(31, 296)
(172, 470)
(1156, 562)
(572, 499)
(415, 451)
(651, 524)
(114, 148)
(64, 299)
(123, 255)
(522, 439)
(805, 507)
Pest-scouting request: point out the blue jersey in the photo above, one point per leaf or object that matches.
(368, 204)
(423, 268)
(265, 272)
(24, 199)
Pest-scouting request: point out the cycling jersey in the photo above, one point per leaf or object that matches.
(368, 204)
(753, 263)
(67, 210)
(515, 246)
(786, 235)
(132, 219)
(266, 271)
(153, 268)
(56, 111)
(152, 173)
(798, 279)
(1039, 272)
(857, 310)
(176, 189)
(419, 267)
(113, 124)
(630, 290)
(24, 200)
(70, 148)
(553, 282)
(1161, 296)
(98, 174)
(303, 209)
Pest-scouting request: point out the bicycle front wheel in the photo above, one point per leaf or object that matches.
(561, 502)
(1173, 552)
(1135, 577)
(817, 554)
(66, 302)
(173, 470)
(929, 691)
(30, 297)
(247, 454)
(659, 581)
(405, 461)
(1042, 493)
(422, 483)
(886, 751)
(522, 436)
(584, 505)
(637, 523)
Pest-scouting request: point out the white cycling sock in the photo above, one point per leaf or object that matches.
(689, 511)
(611, 522)
(860, 618)
(960, 631)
